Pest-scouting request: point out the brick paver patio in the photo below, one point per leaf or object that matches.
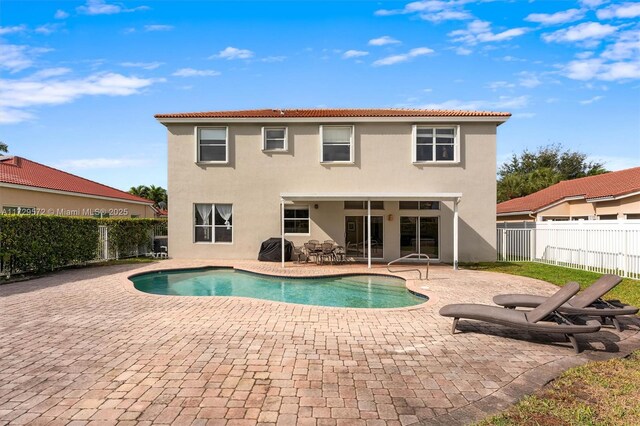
(84, 347)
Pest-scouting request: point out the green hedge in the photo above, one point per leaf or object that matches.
(41, 243)
(126, 235)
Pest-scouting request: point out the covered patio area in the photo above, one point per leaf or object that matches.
(368, 198)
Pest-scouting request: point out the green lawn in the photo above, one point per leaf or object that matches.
(627, 291)
(598, 393)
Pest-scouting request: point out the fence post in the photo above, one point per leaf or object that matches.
(105, 255)
(504, 245)
(532, 244)
(625, 257)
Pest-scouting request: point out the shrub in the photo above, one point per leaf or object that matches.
(128, 235)
(43, 243)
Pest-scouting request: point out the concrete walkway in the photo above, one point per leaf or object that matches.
(84, 347)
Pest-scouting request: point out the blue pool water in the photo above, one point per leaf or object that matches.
(357, 291)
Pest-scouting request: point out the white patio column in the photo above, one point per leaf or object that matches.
(282, 231)
(455, 233)
(369, 232)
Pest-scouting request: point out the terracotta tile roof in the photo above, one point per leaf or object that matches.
(20, 171)
(334, 113)
(613, 184)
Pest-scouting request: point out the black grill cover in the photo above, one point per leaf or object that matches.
(270, 250)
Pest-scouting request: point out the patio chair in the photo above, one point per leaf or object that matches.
(587, 303)
(544, 319)
(297, 253)
(340, 254)
(330, 242)
(327, 252)
(311, 250)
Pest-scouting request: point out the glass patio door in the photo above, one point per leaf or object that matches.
(420, 235)
(356, 244)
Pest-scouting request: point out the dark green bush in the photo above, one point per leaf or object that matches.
(127, 235)
(39, 243)
(43, 243)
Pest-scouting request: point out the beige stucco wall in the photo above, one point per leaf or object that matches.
(253, 181)
(70, 205)
(621, 207)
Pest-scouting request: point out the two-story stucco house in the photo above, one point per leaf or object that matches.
(415, 181)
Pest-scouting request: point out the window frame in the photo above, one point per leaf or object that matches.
(456, 144)
(351, 144)
(226, 145)
(213, 225)
(418, 205)
(286, 138)
(297, 207)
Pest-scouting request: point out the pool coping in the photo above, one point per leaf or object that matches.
(130, 286)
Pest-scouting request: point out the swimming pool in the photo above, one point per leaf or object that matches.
(355, 291)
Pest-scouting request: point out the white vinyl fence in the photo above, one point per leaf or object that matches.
(604, 246)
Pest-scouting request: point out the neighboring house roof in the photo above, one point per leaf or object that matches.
(333, 113)
(20, 171)
(591, 188)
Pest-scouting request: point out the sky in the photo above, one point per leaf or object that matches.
(80, 81)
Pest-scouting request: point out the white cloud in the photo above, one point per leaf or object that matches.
(463, 51)
(190, 72)
(231, 53)
(529, 80)
(151, 28)
(395, 59)
(581, 32)
(590, 101)
(100, 163)
(101, 7)
(47, 29)
(271, 59)
(61, 14)
(502, 103)
(143, 65)
(432, 10)
(593, 3)
(497, 85)
(18, 95)
(354, 54)
(383, 41)
(50, 72)
(598, 69)
(621, 11)
(480, 32)
(12, 29)
(15, 57)
(626, 46)
(556, 18)
(446, 15)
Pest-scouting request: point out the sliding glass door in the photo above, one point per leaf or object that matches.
(420, 235)
(356, 234)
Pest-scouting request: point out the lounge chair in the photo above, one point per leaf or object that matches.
(587, 303)
(544, 319)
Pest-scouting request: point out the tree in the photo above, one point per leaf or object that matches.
(4, 147)
(530, 171)
(157, 194)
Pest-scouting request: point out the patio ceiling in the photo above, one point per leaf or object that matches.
(374, 196)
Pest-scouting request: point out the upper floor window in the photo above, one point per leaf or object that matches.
(336, 144)
(435, 144)
(274, 138)
(213, 146)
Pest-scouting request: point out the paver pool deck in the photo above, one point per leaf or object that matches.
(84, 347)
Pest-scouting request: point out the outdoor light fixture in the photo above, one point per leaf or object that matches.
(390, 217)
(315, 206)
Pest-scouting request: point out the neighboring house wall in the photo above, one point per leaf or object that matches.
(253, 181)
(70, 204)
(628, 206)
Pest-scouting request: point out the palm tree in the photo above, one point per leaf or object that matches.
(157, 194)
(139, 191)
(4, 147)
